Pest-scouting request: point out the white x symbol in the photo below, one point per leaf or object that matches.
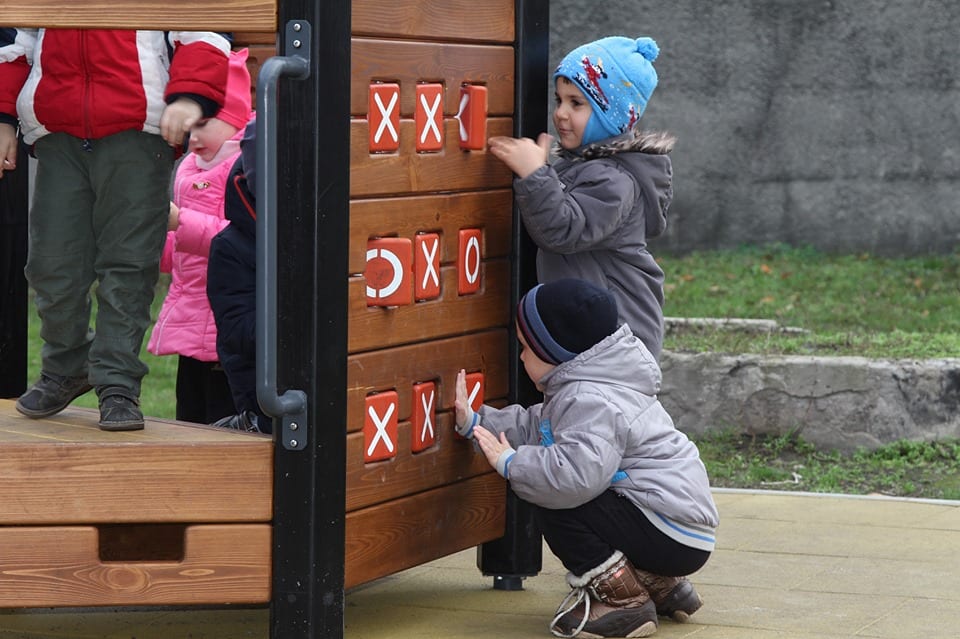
(381, 425)
(427, 422)
(464, 99)
(431, 117)
(473, 394)
(385, 112)
(431, 269)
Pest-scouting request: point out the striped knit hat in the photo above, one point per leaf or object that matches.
(561, 319)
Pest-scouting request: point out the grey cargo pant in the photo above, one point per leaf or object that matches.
(99, 215)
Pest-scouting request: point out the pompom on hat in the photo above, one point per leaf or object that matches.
(616, 75)
(561, 319)
(236, 104)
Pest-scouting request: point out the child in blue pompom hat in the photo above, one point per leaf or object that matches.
(592, 210)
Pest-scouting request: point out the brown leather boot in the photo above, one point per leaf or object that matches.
(606, 601)
(675, 597)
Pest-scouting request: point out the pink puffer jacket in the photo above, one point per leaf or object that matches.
(185, 325)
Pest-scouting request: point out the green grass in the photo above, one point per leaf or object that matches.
(848, 304)
(929, 470)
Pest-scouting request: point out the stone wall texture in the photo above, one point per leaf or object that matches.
(825, 123)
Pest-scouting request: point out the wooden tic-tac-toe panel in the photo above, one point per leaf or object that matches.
(429, 291)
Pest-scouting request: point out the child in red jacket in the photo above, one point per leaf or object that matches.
(102, 111)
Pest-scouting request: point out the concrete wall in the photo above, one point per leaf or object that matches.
(830, 123)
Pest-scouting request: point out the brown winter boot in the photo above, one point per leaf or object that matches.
(606, 601)
(674, 597)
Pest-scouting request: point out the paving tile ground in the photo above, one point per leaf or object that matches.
(788, 566)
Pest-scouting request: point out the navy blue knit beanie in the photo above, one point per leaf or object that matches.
(561, 319)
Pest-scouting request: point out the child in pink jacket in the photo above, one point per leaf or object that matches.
(185, 326)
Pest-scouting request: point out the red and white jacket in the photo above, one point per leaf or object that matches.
(94, 83)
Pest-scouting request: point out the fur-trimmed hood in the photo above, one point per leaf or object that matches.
(635, 140)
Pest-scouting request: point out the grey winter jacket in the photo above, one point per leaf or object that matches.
(602, 427)
(591, 213)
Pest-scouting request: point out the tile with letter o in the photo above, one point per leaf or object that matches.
(380, 426)
(468, 261)
(424, 416)
(389, 271)
(383, 115)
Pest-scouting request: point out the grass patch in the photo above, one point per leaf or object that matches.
(786, 462)
(846, 304)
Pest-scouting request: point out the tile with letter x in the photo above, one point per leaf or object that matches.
(380, 426)
(383, 116)
(424, 416)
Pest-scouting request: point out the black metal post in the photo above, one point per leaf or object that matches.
(519, 553)
(313, 221)
(13, 284)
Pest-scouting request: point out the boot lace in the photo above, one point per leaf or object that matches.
(577, 596)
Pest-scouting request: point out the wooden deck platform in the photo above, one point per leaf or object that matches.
(172, 514)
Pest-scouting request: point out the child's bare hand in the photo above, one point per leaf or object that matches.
(491, 446)
(522, 155)
(8, 148)
(177, 119)
(173, 220)
(462, 400)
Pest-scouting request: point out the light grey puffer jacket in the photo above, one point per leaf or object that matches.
(602, 427)
(591, 213)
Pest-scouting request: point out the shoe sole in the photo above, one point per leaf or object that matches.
(120, 426)
(40, 414)
(644, 630)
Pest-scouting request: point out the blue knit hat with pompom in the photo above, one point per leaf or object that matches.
(617, 77)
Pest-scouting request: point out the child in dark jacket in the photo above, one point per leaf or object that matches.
(592, 210)
(621, 495)
(232, 289)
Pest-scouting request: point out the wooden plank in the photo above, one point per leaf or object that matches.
(490, 20)
(182, 15)
(407, 532)
(258, 54)
(450, 314)
(404, 172)
(440, 360)
(65, 470)
(449, 460)
(451, 64)
(61, 566)
(445, 214)
(254, 38)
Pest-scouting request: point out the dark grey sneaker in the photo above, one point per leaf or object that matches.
(245, 421)
(51, 394)
(118, 410)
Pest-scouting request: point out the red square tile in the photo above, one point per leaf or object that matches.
(380, 427)
(424, 416)
(383, 115)
(473, 116)
(426, 266)
(428, 116)
(468, 261)
(389, 271)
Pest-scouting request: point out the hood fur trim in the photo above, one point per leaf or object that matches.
(635, 140)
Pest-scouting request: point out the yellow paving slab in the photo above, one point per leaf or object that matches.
(788, 566)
